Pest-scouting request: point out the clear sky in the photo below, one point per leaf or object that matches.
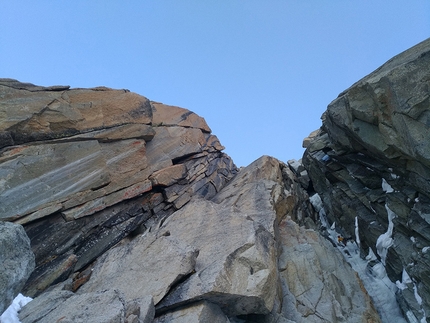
(260, 72)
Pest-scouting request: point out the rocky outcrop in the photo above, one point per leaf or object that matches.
(370, 163)
(82, 169)
(237, 257)
(136, 215)
(17, 261)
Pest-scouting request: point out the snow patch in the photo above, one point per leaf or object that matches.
(325, 158)
(425, 249)
(11, 314)
(357, 237)
(380, 288)
(316, 202)
(417, 296)
(385, 241)
(406, 279)
(386, 187)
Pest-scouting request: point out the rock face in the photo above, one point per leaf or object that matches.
(17, 261)
(370, 161)
(132, 208)
(83, 168)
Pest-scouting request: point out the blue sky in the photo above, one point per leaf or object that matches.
(260, 72)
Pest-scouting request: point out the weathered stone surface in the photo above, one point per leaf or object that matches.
(371, 160)
(77, 168)
(140, 310)
(201, 312)
(236, 266)
(17, 262)
(132, 268)
(34, 176)
(319, 286)
(164, 115)
(169, 175)
(103, 307)
(31, 114)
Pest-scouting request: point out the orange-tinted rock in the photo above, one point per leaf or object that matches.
(166, 115)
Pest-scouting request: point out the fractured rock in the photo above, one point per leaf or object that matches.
(370, 161)
(132, 268)
(201, 312)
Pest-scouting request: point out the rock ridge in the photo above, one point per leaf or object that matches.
(370, 163)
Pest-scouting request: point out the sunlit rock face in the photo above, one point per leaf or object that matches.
(83, 168)
(371, 161)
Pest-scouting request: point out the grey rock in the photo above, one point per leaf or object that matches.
(200, 312)
(132, 268)
(319, 285)
(17, 261)
(373, 152)
(140, 310)
(101, 307)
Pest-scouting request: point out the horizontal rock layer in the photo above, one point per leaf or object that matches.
(83, 168)
(371, 161)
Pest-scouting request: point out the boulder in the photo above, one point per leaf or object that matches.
(17, 262)
(370, 161)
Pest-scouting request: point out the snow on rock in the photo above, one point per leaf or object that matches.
(11, 314)
(386, 187)
(357, 236)
(385, 240)
(374, 277)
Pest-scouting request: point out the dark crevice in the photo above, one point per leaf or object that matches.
(175, 285)
(183, 159)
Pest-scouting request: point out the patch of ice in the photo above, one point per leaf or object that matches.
(357, 237)
(413, 239)
(371, 256)
(325, 158)
(316, 202)
(406, 279)
(386, 187)
(417, 296)
(411, 317)
(11, 313)
(394, 176)
(374, 278)
(425, 249)
(385, 241)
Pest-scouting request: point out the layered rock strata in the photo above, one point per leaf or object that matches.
(83, 168)
(370, 163)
